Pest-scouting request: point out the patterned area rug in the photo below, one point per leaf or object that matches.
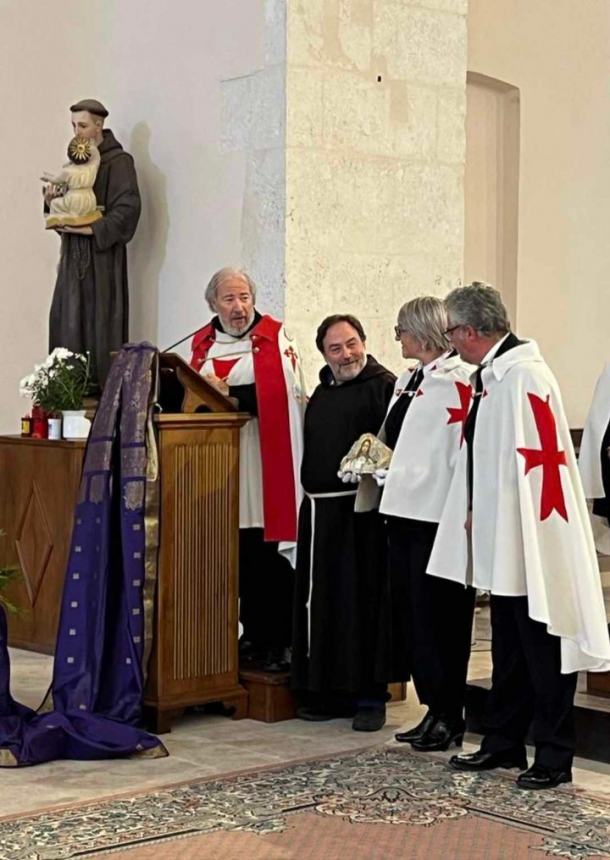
(316, 837)
(382, 794)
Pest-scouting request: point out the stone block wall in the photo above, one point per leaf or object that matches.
(375, 148)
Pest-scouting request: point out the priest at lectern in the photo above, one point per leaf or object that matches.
(249, 356)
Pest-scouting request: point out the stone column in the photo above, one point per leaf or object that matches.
(354, 136)
(375, 148)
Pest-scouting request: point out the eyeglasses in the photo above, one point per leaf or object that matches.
(398, 331)
(449, 331)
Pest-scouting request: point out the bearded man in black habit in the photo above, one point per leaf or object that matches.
(341, 653)
(90, 307)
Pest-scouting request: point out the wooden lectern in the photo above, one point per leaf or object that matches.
(194, 658)
(195, 655)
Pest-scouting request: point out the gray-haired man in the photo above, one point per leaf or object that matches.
(249, 356)
(517, 490)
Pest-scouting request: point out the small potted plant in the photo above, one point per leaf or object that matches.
(59, 384)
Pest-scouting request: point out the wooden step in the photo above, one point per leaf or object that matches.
(598, 683)
(270, 698)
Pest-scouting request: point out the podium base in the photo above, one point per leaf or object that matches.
(159, 718)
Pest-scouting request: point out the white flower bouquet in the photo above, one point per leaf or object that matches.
(59, 383)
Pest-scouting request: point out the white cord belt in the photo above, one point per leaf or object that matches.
(312, 497)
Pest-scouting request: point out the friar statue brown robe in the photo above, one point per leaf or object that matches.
(90, 308)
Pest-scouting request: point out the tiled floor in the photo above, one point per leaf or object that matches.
(203, 746)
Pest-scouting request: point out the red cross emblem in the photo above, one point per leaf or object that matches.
(223, 367)
(459, 414)
(549, 457)
(291, 354)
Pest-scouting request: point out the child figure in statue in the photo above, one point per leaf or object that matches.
(77, 206)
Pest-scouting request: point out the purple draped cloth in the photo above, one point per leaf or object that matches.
(105, 627)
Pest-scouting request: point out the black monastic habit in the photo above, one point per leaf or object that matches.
(341, 645)
(90, 308)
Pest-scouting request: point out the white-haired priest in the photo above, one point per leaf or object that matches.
(249, 356)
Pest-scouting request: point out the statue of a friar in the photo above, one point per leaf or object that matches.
(90, 308)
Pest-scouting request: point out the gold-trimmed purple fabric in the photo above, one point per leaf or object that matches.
(105, 628)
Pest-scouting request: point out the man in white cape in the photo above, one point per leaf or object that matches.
(249, 356)
(594, 462)
(515, 524)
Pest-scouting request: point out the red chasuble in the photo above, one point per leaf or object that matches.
(275, 362)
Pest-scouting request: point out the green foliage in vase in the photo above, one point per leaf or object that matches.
(59, 383)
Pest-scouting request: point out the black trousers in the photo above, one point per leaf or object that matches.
(266, 588)
(528, 688)
(431, 620)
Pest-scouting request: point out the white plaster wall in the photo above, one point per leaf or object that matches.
(374, 161)
(557, 53)
(159, 67)
(362, 210)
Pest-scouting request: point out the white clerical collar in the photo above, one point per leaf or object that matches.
(223, 336)
(490, 355)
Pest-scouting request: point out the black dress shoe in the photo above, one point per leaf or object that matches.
(321, 711)
(315, 713)
(542, 777)
(440, 736)
(480, 760)
(369, 718)
(417, 731)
